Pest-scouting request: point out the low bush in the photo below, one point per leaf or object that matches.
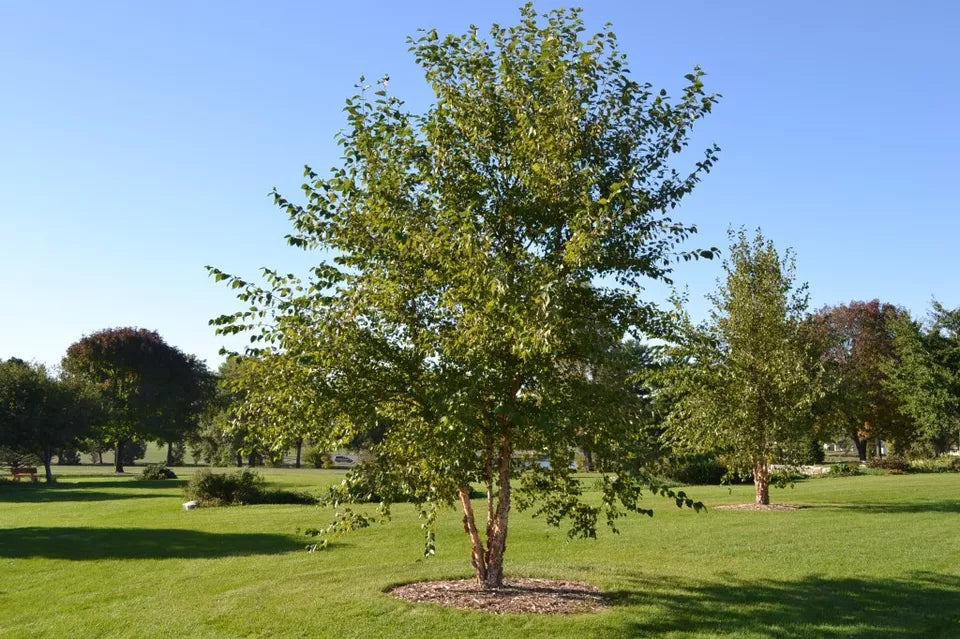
(890, 462)
(946, 464)
(694, 470)
(153, 472)
(68, 457)
(318, 459)
(239, 488)
(843, 469)
(219, 489)
(815, 453)
(786, 477)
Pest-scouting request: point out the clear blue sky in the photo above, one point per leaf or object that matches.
(138, 141)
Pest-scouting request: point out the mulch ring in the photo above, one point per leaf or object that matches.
(538, 596)
(758, 507)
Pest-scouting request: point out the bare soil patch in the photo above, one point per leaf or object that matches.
(758, 507)
(538, 596)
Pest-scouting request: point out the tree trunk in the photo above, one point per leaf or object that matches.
(861, 445)
(239, 459)
(497, 539)
(588, 460)
(477, 557)
(47, 458)
(169, 453)
(879, 449)
(488, 563)
(118, 460)
(299, 450)
(761, 483)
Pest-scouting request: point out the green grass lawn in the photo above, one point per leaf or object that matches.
(97, 555)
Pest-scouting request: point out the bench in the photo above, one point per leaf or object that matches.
(25, 472)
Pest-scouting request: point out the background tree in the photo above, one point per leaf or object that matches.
(40, 415)
(857, 340)
(222, 440)
(470, 243)
(93, 446)
(181, 420)
(745, 381)
(923, 373)
(145, 386)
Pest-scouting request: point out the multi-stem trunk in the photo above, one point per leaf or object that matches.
(487, 561)
(761, 482)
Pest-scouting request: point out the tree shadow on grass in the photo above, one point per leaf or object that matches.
(920, 605)
(937, 506)
(137, 543)
(35, 494)
(129, 483)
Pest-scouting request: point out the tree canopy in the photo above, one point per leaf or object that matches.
(857, 340)
(477, 258)
(923, 374)
(147, 388)
(40, 414)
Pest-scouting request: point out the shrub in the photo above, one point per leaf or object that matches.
(242, 487)
(890, 462)
(68, 457)
(936, 465)
(219, 489)
(785, 477)
(132, 451)
(274, 459)
(277, 496)
(154, 472)
(695, 469)
(815, 453)
(843, 469)
(318, 459)
(14, 458)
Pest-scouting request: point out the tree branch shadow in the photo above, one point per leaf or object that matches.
(920, 605)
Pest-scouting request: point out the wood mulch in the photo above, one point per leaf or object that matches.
(758, 507)
(538, 596)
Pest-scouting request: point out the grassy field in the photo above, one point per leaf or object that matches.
(98, 555)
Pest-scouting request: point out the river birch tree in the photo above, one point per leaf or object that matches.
(474, 258)
(744, 382)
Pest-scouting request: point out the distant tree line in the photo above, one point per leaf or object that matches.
(119, 389)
